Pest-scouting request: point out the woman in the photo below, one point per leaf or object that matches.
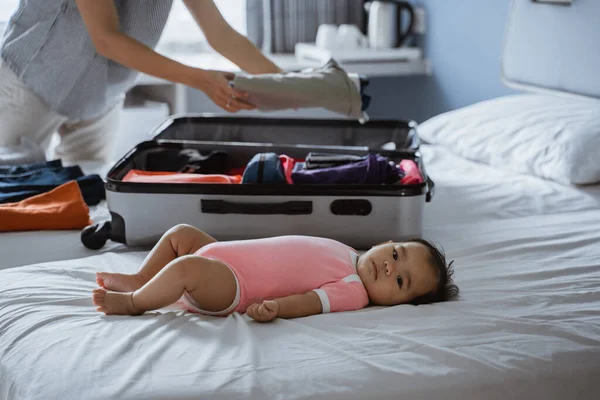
(66, 65)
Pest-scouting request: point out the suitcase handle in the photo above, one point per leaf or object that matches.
(430, 190)
(285, 208)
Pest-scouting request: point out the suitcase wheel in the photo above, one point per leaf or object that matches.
(94, 237)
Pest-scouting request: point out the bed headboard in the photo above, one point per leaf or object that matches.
(553, 46)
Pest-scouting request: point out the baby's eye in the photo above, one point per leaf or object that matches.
(400, 282)
(395, 255)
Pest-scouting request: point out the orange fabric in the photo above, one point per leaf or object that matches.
(236, 171)
(178, 177)
(58, 209)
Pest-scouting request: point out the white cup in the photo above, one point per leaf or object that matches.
(349, 37)
(327, 36)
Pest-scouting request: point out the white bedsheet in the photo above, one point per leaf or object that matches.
(468, 192)
(26, 248)
(527, 325)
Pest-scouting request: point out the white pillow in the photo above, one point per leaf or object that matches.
(551, 137)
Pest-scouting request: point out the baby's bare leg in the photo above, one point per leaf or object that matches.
(209, 282)
(178, 241)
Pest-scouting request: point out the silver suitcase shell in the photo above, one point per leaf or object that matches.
(358, 215)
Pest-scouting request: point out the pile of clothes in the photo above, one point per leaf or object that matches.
(191, 166)
(46, 195)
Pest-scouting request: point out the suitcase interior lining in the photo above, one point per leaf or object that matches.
(374, 134)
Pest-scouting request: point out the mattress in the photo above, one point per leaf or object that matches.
(527, 324)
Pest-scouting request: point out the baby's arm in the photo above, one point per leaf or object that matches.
(295, 306)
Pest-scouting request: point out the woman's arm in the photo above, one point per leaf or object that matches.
(102, 22)
(296, 306)
(227, 41)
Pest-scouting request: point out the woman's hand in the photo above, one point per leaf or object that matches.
(265, 312)
(215, 84)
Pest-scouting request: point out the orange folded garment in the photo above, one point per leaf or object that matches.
(178, 177)
(58, 209)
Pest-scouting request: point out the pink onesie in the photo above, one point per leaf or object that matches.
(282, 266)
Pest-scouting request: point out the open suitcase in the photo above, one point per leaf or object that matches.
(358, 215)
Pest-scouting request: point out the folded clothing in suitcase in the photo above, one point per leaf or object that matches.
(358, 214)
(329, 87)
(281, 169)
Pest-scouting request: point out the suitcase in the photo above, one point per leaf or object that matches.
(358, 215)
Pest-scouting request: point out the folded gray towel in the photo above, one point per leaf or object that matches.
(328, 87)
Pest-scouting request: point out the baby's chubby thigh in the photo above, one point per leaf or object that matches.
(209, 282)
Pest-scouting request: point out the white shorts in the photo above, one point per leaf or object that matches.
(25, 114)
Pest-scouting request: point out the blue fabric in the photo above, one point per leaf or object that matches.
(366, 102)
(21, 182)
(18, 169)
(366, 99)
(270, 172)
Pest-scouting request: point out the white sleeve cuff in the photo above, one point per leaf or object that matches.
(352, 278)
(324, 300)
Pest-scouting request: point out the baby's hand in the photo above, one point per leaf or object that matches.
(265, 312)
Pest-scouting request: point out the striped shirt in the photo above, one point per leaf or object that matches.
(48, 47)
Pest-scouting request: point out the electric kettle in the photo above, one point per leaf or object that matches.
(385, 23)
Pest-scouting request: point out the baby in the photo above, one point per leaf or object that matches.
(280, 277)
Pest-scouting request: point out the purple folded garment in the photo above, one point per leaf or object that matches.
(375, 170)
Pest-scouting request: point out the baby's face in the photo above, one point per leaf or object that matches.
(396, 273)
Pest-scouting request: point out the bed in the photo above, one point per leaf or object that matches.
(512, 208)
(527, 324)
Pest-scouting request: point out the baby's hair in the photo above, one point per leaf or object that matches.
(446, 289)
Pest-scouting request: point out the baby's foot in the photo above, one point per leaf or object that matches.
(112, 303)
(119, 282)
